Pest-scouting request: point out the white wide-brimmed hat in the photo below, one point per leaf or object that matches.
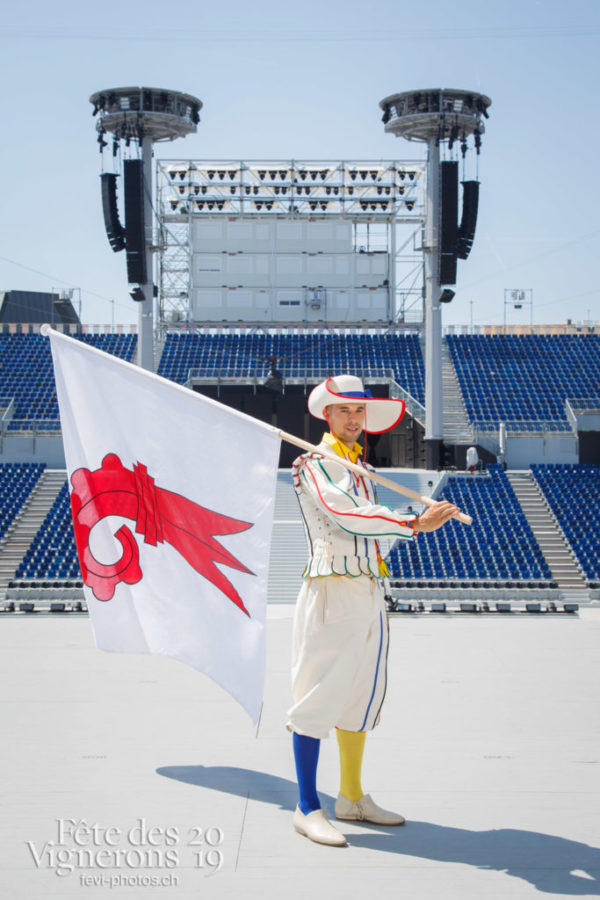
(382, 414)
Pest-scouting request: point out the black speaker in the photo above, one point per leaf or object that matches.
(468, 222)
(135, 237)
(449, 221)
(114, 230)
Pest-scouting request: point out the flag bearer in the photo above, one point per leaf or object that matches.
(340, 640)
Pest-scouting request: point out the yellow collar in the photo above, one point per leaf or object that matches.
(340, 448)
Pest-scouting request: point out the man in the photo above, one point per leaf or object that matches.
(340, 627)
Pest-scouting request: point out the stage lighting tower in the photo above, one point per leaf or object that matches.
(145, 116)
(434, 117)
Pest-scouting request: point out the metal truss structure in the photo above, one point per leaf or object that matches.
(384, 199)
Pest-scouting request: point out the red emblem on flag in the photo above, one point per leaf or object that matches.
(159, 515)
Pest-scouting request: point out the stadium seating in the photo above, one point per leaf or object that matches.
(525, 379)
(17, 480)
(498, 548)
(573, 495)
(26, 375)
(297, 355)
(52, 554)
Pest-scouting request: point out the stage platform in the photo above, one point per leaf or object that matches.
(137, 777)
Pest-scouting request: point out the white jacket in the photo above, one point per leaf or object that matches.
(342, 519)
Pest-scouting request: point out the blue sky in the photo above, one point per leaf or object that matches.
(304, 80)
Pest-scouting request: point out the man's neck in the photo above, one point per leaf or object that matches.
(352, 451)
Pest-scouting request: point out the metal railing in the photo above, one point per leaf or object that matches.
(31, 427)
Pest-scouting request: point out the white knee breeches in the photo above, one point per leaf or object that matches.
(339, 655)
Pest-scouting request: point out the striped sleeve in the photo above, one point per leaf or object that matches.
(330, 485)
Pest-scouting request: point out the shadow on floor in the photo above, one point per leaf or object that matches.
(550, 863)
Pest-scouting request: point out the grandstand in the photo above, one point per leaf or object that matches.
(498, 550)
(17, 480)
(52, 555)
(573, 495)
(27, 377)
(298, 355)
(523, 381)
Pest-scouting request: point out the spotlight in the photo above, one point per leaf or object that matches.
(447, 295)
(137, 294)
(57, 607)
(503, 607)
(571, 607)
(403, 607)
(469, 607)
(438, 607)
(27, 607)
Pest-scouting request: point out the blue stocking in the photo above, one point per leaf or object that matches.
(306, 755)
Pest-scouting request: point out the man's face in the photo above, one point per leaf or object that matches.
(346, 421)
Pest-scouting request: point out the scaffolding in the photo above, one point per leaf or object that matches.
(383, 199)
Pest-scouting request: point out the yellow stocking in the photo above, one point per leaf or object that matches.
(352, 746)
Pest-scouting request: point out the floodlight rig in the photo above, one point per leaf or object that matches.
(434, 117)
(144, 116)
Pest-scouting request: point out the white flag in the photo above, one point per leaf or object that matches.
(172, 496)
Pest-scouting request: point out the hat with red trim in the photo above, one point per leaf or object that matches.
(382, 414)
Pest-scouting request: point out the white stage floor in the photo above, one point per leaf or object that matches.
(489, 745)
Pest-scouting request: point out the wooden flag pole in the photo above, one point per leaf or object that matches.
(373, 476)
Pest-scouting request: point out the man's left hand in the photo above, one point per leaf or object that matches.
(435, 516)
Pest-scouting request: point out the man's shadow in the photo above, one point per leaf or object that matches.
(550, 863)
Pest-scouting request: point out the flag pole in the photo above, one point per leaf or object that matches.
(373, 476)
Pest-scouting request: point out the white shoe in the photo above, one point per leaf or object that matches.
(365, 810)
(318, 828)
